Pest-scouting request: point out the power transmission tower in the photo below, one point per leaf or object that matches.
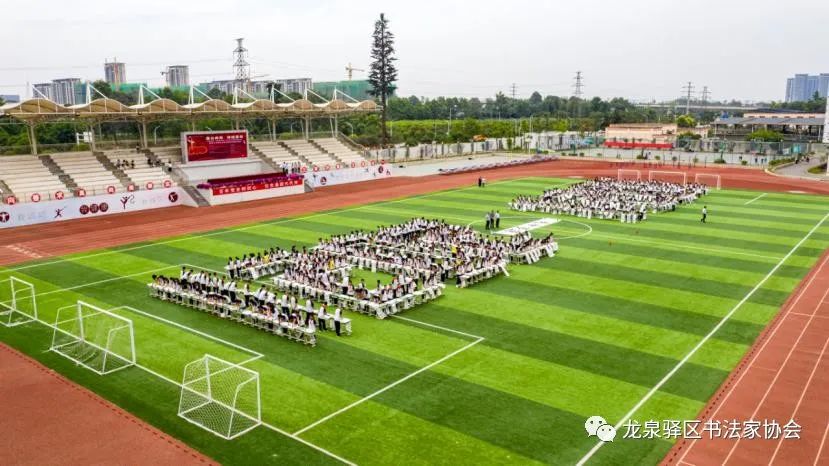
(578, 86)
(705, 95)
(513, 91)
(689, 89)
(241, 65)
(578, 92)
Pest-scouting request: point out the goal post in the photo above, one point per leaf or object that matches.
(94, 338)
(220, 397)
(627, 174)
(708, 179)
(668, 176)
(18, 303)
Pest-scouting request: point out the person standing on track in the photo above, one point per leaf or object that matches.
(704, 213)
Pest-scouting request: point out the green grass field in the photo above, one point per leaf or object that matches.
(589, 332)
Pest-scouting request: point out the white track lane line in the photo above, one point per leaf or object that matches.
(707, 337)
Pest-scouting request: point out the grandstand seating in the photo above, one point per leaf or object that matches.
(87, 172)
(276, 153)
(308, 151)
(143, 172)
(340, 151)
(26, 175)
(167, 154)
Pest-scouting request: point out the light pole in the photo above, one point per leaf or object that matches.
(449, 124)
(155, 135)
(350, 126)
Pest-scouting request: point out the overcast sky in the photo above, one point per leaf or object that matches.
(638, 49)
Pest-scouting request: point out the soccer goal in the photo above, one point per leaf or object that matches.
(220, 397)
(709, 179)
(92, 337)
(624, 174)
(668, 176)
(18, 304)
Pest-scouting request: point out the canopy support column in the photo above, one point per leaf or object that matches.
(144, 142)
(32, 137)
(92, 137)
(307, 127)
(336, 125)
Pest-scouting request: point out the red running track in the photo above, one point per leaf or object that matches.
(784, 376)
(26, 243)
(48, 419)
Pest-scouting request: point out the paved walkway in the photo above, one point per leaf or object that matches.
(802, 169)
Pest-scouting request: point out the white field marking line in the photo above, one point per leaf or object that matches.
(256, 225)
(802, 395)
(776, 376)
(589, 228)
(265, 424)
(822, 442)
(256, 354)
(426, 324)
(120, 277)
(756, 198)
(387, 387)
(707, 337)
(759, 351)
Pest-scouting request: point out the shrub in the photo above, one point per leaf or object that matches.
(744, 162)
(640, 157)
(720, 160)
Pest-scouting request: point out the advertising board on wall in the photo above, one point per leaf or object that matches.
(70, 208)
(213, 146)
(336, 176)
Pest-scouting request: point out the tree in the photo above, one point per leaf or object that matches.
(382, 73)
(686, 121)
(2, 102)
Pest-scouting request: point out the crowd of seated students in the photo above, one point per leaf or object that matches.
(124, 164)
(327, 276)
(436, 250)
(608, 198)
(254, 265)
(261, 308)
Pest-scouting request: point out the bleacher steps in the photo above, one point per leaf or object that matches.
(265, 159)
(6, 189)
(196, 195)
(305, 161)
(55, 169)
(122, 177)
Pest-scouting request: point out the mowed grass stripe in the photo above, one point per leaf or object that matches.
(578, 353)
(656, 332)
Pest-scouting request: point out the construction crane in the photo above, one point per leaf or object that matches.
(350, 70)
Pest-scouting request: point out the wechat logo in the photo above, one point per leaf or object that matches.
(596, 425)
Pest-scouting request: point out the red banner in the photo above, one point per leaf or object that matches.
(256, 186)
(215, 145)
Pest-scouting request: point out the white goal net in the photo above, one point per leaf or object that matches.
(220, 397)
(17, 302)
(709, 179)
(625, 174)
(668, 176)
(92, 337)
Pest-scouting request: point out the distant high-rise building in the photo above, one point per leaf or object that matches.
(43, 90)
(67, 91)
(803, 86)
(296, 85)
(177, 76)
(115, 72)
(225, 86)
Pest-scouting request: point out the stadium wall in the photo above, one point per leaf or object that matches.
(91, 206)
(322, 178)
